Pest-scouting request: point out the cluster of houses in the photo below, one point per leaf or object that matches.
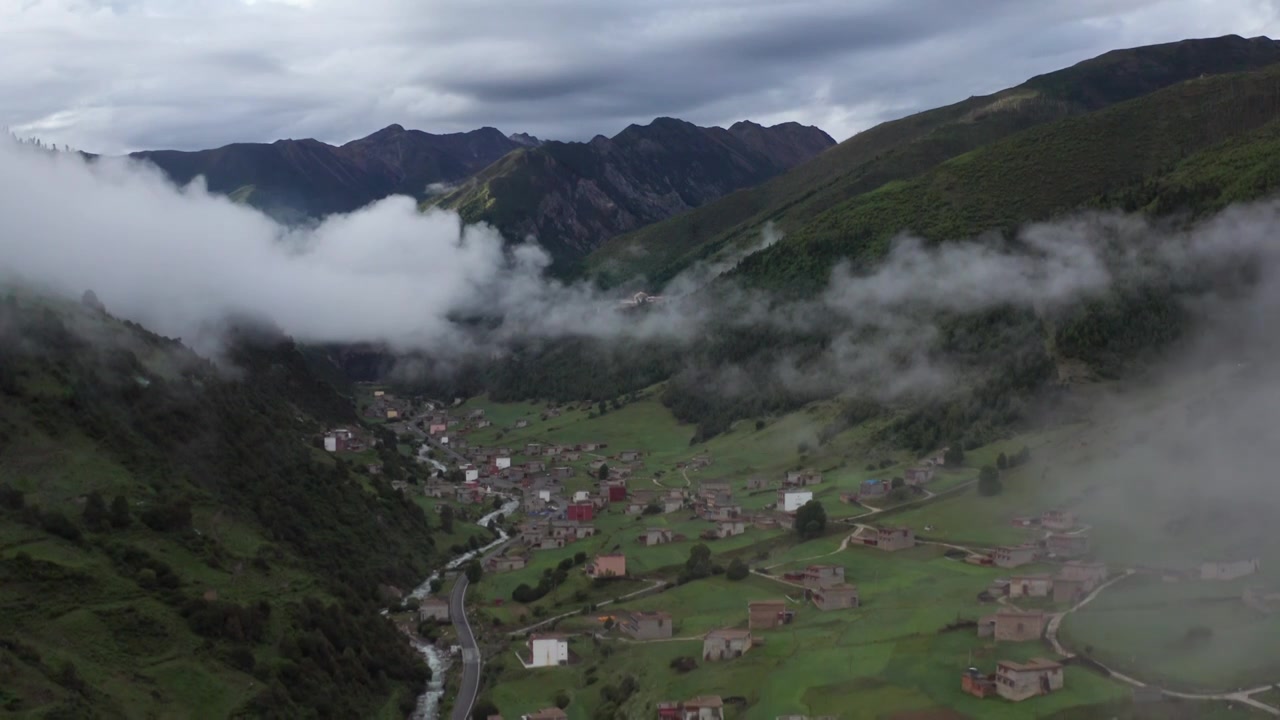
(385, 406)
(1073, 582)
(339, 440)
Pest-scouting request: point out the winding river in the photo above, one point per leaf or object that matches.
(439, 661)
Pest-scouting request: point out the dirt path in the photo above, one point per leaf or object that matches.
(1242, 696)
(656, 584)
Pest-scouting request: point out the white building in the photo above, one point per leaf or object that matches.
(544, 495)
(502, 463)
(581, 496)
(471, 473)
(793, 501)
(548, 650)
(331, 443)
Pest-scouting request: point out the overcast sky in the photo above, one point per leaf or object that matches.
(117, 75)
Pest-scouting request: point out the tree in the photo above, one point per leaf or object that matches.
(579, 558)
(699, 563)
(811, 520)
(446, 519)
(120, 518)
(603, 472)
(954, 456)
(474, 571)
(562, 699)
(738, 570)
(989, 481)
(1024, 455)
(896, 483)
(95, 512)
(1002, 462)
(759, 425)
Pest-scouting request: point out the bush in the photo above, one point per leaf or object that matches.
(811, 520)
(989, 481)
(562, 699)
(58, 524)
(683, 664)
(738, 570)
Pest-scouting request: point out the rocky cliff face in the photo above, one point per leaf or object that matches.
(307, 178)
(571, 197)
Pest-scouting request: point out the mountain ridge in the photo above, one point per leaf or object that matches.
(292, 179)
(906, 147)
(571, 196)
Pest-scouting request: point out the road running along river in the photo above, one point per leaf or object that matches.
(428, 707)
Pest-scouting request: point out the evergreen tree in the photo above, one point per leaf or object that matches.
(95, 512)
(120, 518)
(989, 481)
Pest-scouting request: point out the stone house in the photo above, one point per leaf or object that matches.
(1068, 591)
(722, 512)
(725, 644)
(1229, 570)
(1018, 681)
(607, 566)
(1091, 574)
(505, 563)
(1012, 625)
(656, 536)
(433, 608)
(1057, 520)
(571, 530)
(629, 455)
(706, 707)
(1011, 556)
(892, 539)
(767, 614)
(919, 475)
(647, 625)
(840, 596)
(757, 483)
(802, 478)
(819, 576)
(1030, 586)
(729, 528)
(1068, 546)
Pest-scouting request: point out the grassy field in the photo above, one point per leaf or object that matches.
(1144, 626)
(892, 655)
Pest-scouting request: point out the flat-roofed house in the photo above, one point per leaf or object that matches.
(725, 644)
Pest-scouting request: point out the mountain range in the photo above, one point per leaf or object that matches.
(294, 179)
(569, 196)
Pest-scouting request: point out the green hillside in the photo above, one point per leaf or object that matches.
(903, 149)
(1181, 132)
(171, 540)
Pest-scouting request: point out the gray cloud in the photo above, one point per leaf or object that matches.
(119, 76)
(180, 260)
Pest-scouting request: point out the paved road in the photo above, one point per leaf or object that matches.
(470, 685)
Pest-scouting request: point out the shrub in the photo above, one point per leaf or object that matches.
(738, 570)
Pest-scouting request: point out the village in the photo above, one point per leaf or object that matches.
(629, 517)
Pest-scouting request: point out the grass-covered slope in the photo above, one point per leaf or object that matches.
(1038, 174)
(905, 148)
(171, 544)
